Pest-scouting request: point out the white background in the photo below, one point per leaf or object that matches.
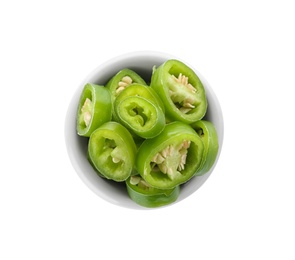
(245, 49)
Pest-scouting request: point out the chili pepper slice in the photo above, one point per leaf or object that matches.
(171, 158)
(140, 90)
(112, 151)
(145, 195)
(93, 166)
(94, 109)
(181, 91)
(141, 116)
(121, 81)
(206, 130)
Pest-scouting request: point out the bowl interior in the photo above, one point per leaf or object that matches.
(142, 63)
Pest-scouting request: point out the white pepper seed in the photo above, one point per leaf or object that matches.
(134, 180)
(86, 111)
(185, 104)
(115, 160)
(172, 159)
(87, 118)
(125, 82)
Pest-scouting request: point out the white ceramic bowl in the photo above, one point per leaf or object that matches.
(142, 63)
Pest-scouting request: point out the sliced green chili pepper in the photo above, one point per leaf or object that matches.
(93, 166)
(208, 134)
(142, 116)
(121, 81)
(95, 108)
(171, 158)
(112, 151)
(145, 195)
(143, 91)
(181, 91)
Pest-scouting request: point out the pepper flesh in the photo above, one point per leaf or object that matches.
(181, 91)
(143, 91)
(207, 132)
(122, 80)
(140, 110)
(145, 195)
(112, 151)
(171, 158)
(94, 109)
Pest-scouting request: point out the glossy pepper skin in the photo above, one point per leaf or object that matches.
(181, 91)
(143, 91)
(112, 151)
(145, 195)
(171, 158)
(138, 108)
(207, 132)
(123, 79)
(95, 108)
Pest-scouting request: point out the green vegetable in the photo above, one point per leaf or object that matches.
(145, 195)
(208, 134)
(121, 81)
(171, 158)
(138, 108)
(154, 137)
(95, 108)
(112, 151)
(181, 91)
(140, 90)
